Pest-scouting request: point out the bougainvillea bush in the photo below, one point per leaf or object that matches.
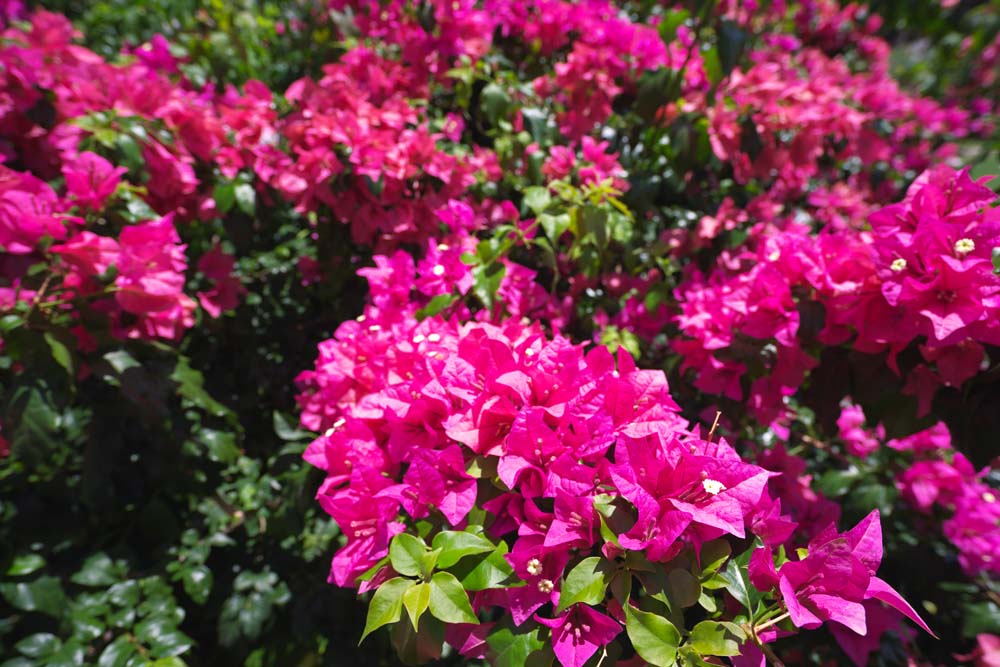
(499, 332)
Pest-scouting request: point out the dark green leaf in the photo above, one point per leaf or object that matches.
(478, 573)
(98, 570)
(39, 645)
(737, 584)
(508, 648)
(43, 595)
(60, 352)
(117, 653)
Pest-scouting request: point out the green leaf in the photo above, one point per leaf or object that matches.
(683, 588)
(286, 430)
(481, 572)
(60, 352)
(713, 554)
(39, 645)
(98, 570)
(415, 601)
(172, 661)
(712, 64)
(732, 41)
(198, 583)
(713, 638)
(537, 199)
(979, 618)
(220, 445)
(668, 25)
(191, 386)
(117, 653)
(494, 102)
(386, 605)
(436, 305)
(406, 553)
(43, 595)
(25, 564)
(586, 583)
(449, 602)
(996, 261)
(163, 636)
(246, 198)
(511, 649)
(225, 196)
(456, 545)
(655, 638)
(421, 645)
(554, 225)
(737, 584)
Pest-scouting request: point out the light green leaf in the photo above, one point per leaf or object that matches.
(406, 553)
(449, 602)
(25, 564)
(386, 605)
(713, 638)
(586, 583)
(246, 198)
(456, 545)
(537, 199)
(655, 638)
(416, 601)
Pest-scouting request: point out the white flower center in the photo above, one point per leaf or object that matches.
(713, 487)
(964, 246)
(438, 270)
(534, 566)
(898, 264)
(546, 585)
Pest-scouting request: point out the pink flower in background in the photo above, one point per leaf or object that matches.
(151, 267)
(91, 179)
(227, 289)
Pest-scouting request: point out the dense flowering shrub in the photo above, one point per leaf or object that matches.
(618, 333)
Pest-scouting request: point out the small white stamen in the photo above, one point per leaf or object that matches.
(534, 566)
(713, 487)
(964, 246)
(546, 586)
(898, 264)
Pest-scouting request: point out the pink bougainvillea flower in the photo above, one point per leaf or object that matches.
(837, 575)
(91, 179)
(227, 289)
(88, 253)
(151, 267)
(579, 632)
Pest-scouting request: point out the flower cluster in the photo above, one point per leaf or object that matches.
(565, 458)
